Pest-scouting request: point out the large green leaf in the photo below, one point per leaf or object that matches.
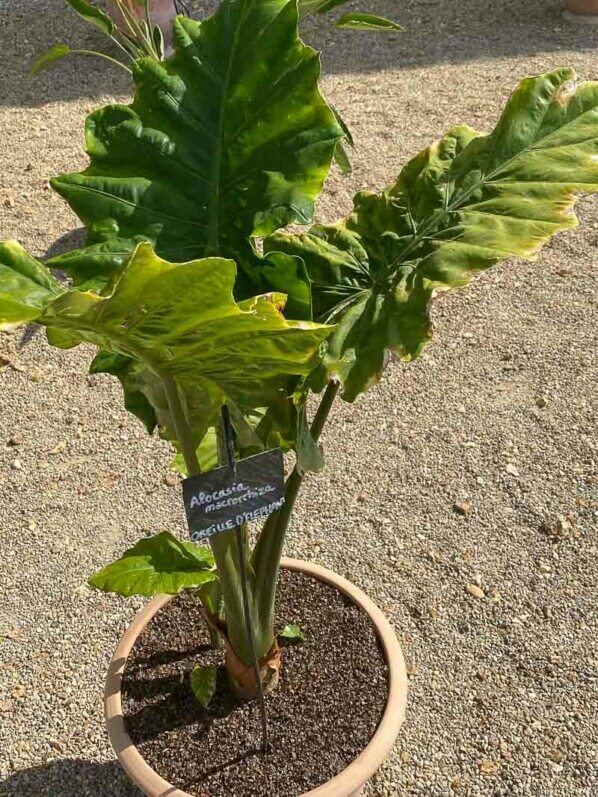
(26, 286)
(227, 140)
(464, 204)
(157, 565)
(179, 323)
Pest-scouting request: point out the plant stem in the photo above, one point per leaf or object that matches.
(119, 44)
(134, 25)
(323, 412)
(105, 57)
(223, 545)
(268, 549)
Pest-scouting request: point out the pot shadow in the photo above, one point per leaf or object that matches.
(70, 777)
(170, 656)
(436, 31)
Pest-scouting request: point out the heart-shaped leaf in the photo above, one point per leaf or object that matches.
(462, 205)
(203, 684)
(158, 565)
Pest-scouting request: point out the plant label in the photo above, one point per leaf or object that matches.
(220, 500)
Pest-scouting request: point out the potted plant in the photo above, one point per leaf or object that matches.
(234, 337)
(582, 11)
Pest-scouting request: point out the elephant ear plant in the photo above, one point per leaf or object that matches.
(197, 297)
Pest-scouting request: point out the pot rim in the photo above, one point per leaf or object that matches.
(350, 779)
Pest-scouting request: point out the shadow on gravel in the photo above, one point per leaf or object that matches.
(452, 32)
(436, 31)
(67, 242)
(70, 778)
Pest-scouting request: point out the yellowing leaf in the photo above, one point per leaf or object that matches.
(26, 286)
(189, 341)
(462, 205)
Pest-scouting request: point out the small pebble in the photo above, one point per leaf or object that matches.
(37, 375)
(475, 591)
(462, 507)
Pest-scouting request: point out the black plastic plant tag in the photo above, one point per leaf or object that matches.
(222, 500)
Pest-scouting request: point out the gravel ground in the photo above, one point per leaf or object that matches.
(499, 414)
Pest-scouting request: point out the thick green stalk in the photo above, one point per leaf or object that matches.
(268, 549)
(223, 545)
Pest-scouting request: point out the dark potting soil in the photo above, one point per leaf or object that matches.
(326, 708)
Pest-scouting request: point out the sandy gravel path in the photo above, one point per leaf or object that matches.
(499, 413)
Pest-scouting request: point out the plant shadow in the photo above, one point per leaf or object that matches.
(436, 31)
(451, 32)
(162, 704)
(70, 778)
(74, 239)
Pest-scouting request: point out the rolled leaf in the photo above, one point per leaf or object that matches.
(158, 565)
(94, 15)
(310, 455)
(462, 205)
(47, 59)
(218, 145)
(206, 452)
(26, 286)
(307, 7)
(179, 323)
(356, 20)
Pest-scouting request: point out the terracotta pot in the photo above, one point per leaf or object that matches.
(162, 13)
(582, 11)
(347, 783)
